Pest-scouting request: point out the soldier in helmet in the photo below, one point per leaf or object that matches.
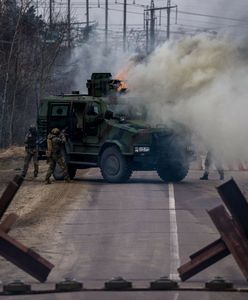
(31, 151)
(55, 146)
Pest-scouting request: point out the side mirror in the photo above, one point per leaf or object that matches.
(109, 115)
(122, 118)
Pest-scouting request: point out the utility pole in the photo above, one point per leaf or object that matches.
(51, 10)
(87, 13)
(69, 23)
(87, 19)
(152, 10)
(106, 24)
(124, 25)
(168, 18)
(147, 30)
(152, 29)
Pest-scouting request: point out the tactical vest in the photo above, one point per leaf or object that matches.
(31, 141)
(56, 144)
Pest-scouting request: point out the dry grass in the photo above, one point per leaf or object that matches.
(13, 151)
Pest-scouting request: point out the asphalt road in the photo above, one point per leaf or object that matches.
(140, 230)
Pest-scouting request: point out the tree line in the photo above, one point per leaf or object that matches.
(31, 51)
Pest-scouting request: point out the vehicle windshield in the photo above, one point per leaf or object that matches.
(130, 111)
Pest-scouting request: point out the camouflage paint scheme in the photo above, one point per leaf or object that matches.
(84, 146)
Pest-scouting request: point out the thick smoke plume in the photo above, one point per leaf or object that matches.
(93, 57)
(202, 82)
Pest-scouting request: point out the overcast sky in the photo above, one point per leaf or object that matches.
(216, 9)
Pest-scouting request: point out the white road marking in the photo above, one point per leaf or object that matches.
(174, 245)
(176, 296)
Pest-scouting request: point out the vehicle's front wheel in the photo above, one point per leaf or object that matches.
(173, 172)
(114, 166)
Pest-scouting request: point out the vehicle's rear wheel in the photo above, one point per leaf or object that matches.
(114, 166)
(173, 172)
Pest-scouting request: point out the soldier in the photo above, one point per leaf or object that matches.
(208, 163)
(55, 146)
(31, 151)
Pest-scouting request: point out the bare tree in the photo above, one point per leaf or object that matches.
(28, 60)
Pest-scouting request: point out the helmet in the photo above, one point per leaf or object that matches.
(32, 129)
(55, 131)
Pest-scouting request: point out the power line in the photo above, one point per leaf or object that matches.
(210, 16)
(130, 12)
(88, 6)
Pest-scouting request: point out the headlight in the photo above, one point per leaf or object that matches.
(141, 149)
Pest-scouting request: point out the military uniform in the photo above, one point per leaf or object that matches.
(55, 146)
(31, 151)
(208, 162)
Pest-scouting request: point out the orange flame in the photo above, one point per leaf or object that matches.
(122, 75)
(123, 86)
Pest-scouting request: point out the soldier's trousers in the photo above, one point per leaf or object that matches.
(57, 159)
(30, 154)
(209, 161)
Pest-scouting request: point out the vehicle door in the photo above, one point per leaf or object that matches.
(58, 116)
(77, 132)
(92, 123)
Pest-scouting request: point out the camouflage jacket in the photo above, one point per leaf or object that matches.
(55, 144)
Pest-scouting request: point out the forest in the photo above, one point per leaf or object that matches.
(31, 52)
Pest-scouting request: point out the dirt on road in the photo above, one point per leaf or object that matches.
(44, 210)
(41, 209)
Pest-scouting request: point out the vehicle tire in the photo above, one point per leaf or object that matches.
(114, 166)
(173, 172)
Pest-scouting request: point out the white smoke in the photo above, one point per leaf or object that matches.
(93, 57)
(202, 82)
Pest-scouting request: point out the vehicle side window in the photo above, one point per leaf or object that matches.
(93, 109)
(59, 111)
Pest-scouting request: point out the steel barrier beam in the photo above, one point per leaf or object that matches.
(8, 222)
(9, 193)
(12, 250)
(233, 229)
(236, 203)
(24, 258)
(233, 236)
(203, 258)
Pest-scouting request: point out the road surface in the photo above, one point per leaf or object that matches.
(93, 231)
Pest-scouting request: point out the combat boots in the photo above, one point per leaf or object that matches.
(204, 177)
(48, 181)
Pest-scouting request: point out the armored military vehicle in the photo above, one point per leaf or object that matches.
(104, 130)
